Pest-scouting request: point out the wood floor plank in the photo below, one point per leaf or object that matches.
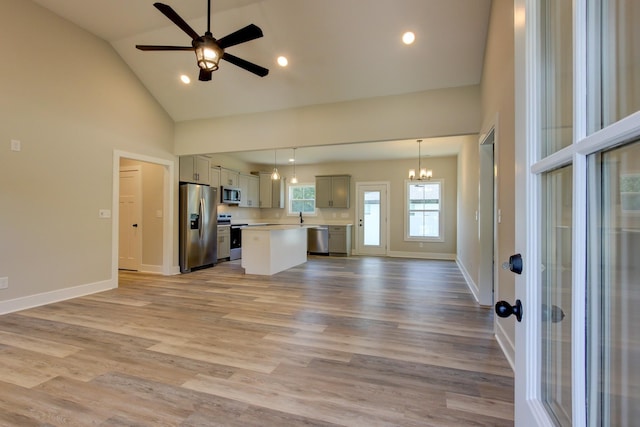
(337, 341)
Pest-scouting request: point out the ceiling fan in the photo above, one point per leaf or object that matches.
(208, 50)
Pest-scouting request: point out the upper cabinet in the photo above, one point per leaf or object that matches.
(195, 169)
(214, 177)
(229, 178)
(271, 191)
(249, 191)
(332, 191)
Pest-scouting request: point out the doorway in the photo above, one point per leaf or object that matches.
(487, 220)
(130, 221)
(372, 211)
(165, 213)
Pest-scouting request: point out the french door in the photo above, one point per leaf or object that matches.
(578, 212)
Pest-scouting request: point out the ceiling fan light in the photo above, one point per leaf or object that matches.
(208, 54)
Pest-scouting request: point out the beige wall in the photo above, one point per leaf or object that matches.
(468, 244)
(498, 109)
(71, 101)
(446, 112)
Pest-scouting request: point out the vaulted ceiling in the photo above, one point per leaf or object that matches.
(338, 50)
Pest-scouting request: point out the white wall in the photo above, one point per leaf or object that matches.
(71, 101)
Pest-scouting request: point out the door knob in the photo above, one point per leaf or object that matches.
(514, 264)
(504, 309)
(553, 313)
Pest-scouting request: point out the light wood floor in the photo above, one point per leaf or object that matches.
(336, 341)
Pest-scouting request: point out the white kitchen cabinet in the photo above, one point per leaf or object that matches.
(332, 191)
(224, 241)
(229, 178)
(271, 191)
(214, 178)
(340, 240)
(195, 169)
(249, 191)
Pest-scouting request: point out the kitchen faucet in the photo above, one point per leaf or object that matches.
(301, 220)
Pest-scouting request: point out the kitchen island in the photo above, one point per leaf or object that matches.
(269, 249)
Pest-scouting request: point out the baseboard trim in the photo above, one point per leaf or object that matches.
(148, 268)
(422, 255)
(31, 301)
(473, 287)
(507, 346)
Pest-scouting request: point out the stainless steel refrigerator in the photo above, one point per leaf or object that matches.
(198, 226)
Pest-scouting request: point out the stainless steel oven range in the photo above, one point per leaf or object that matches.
(235, 239)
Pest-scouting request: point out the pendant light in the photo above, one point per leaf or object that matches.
(294, 179)
(424, 174)
(275, 175)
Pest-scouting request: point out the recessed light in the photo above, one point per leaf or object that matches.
(408, 37)
(185, 79)
(283, 61)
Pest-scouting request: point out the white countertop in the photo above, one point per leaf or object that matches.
(306, 222)
(273, 227)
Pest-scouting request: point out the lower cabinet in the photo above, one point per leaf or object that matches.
(340, 240)
(224, 240)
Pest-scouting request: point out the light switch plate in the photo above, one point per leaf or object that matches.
(4, 282)
(16, 145)
(104, 213)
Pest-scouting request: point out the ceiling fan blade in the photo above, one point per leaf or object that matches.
(251, 67)
(146, 47)
(205, 75)
(250, 32)
(176, 19)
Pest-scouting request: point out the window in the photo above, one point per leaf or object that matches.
(423, 210)
(302, 198)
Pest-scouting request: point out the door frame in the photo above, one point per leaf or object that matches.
(385, 227)
(488, 217)
(138, 184)
(169, 211)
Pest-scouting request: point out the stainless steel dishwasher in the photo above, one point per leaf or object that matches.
(318, 240)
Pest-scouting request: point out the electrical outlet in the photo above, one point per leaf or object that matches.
(104, 213)
(4, 282)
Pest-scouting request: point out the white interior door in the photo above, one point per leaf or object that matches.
(372, 213)
(577, 204)
(130, 234)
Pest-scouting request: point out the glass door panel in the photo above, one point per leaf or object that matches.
(614, 287)
(556, 300)
(619, 47)
(556, 46)
(372, 224)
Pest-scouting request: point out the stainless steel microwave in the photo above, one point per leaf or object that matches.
(230, 195)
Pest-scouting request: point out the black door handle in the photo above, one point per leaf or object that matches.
(135, 225)
(553, 313)
(514, 264)
(504, 309)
